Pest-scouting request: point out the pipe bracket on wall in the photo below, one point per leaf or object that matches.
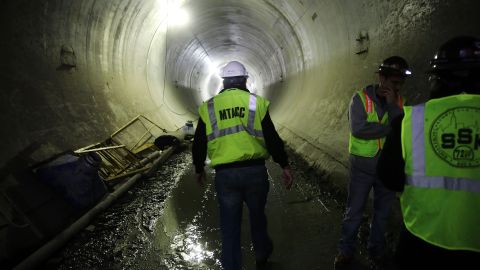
(68, 60)
(362, 43)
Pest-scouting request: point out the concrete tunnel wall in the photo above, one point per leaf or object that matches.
(73, 72)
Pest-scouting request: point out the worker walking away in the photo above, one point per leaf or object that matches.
(236, 130)
(432, 156)
(370, 113)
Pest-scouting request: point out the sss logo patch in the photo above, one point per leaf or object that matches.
(455, 137)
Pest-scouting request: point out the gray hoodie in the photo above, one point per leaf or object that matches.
(362, 129)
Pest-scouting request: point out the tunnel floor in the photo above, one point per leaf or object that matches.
(169, 222)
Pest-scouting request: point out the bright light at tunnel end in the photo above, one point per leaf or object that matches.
(178, 17)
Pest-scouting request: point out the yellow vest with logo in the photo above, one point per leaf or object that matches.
(441, 149)
(363, 147)
(233, 121)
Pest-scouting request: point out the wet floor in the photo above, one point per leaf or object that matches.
(170, 222)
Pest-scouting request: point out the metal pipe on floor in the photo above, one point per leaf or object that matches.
(149, 158)
(53, 245)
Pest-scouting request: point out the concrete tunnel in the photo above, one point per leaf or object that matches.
(73, 72)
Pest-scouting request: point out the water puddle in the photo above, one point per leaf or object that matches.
(170, 222)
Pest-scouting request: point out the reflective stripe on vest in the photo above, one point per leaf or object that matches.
(442, 188)
(233, 122)
(418, 177)
(418, 150)
(363, 147)
(216, 132)
(368, 102)
(449, 183)
(369, 109)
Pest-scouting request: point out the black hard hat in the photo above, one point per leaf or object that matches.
(459, 53)
(394, 66)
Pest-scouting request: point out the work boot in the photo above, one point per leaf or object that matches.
(342, 260)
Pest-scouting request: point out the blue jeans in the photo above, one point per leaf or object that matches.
(235, 186)
(362, 179)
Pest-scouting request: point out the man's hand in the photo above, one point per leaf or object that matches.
(201, 178)
(390, 95)
(287, 177)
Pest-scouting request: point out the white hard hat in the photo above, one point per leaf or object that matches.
(234, 69)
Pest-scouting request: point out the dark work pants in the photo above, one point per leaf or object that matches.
(235, 186)
(363, 178)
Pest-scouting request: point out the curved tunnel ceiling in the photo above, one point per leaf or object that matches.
(75, 71)
(253, 32)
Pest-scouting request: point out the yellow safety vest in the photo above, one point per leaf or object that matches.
(233, 121)
(363, 147)
(441, 149)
